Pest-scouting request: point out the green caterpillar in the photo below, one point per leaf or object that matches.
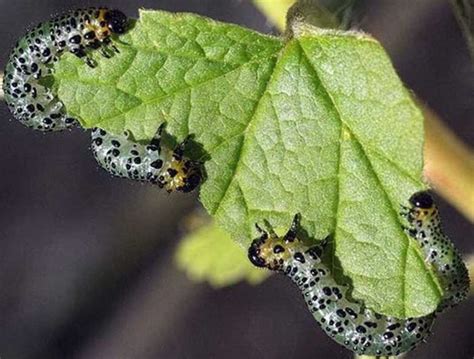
(348, 321)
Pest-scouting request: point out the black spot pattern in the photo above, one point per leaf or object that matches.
(152, 163)
(346, 320)
(425, 227)
(31, 59)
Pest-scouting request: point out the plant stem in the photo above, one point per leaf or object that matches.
(275, 10)
(449, 164)
(470, 267)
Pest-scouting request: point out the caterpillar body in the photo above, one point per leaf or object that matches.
(424, 225)
(346, 320)
(32, 103)
(153, 163)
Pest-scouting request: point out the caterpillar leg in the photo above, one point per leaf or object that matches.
(107, 49)
(90, 62)
(113, 47)
(260, 230)
(183, 174)
(290, 236)
(180, 148)
(81, 53)
(404, 210)
(103, 51)
(108, 43)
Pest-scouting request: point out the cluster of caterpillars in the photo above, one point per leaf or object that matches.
(35, 105)
(346, 320)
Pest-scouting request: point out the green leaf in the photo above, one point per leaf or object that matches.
(318, 124)
(209, 254)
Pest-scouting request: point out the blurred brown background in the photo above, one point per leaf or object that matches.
(86, 267)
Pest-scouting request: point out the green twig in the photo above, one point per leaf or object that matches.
(449, 164)
(470, 267)
(275, 10)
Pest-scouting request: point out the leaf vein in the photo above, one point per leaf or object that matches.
(250, 120)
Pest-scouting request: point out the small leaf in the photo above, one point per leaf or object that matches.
(318, 124)
(208, 254)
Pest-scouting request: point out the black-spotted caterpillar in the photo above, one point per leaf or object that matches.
(38, 107)
(425, 227)
(348, 321)
(153, 163)
(31, 60)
